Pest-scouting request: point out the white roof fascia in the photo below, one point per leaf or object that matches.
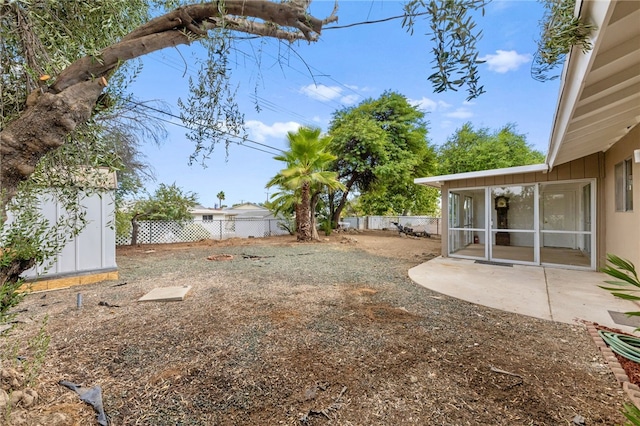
(206, 211)
(577, 65)
(437, 181)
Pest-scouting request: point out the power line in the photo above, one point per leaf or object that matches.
(377, 21)
(221, 131)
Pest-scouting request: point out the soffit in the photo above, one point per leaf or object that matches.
(600, 95)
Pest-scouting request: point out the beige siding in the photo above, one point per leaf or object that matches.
(583, 168)
(622, 228)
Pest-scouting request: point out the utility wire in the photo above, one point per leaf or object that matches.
(377, 21)
(221, 131)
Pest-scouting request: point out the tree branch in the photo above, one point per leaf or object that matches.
(55, 111)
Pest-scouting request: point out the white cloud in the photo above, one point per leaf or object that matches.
(259, 131)
(499, 5)
(460, 113)
(321, 92)
(505, 60)
(428, 105)
(350, 99)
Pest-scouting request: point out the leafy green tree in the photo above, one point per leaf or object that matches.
(307, 160)
(469, 150)
(168, 202)
(382, 146)
(220, 197)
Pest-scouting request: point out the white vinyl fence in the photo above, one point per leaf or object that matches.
(432, 225)
(162, 232)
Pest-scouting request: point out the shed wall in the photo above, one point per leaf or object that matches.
(93, 251)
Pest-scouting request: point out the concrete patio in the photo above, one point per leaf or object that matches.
(553, 294)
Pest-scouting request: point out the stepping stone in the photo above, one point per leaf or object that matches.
(166, 294)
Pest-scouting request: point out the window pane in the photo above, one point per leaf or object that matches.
(628, 196)
(619, 187)
(513, 207)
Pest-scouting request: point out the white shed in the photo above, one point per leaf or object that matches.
(88, 258)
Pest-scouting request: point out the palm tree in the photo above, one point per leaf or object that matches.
(220, 197)
(306, 160)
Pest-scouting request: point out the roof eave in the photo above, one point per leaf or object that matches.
(438, 181)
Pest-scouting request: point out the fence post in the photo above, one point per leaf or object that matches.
(220, 222)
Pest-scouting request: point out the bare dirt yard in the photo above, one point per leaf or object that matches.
(282, 333)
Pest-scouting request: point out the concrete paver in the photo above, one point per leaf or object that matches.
(166, 294)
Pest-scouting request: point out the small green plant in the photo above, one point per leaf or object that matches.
(287, 223)
(327, 226)
(39, 344)
(626, 282)
(632, 413)
(10, 296)
(8, 408)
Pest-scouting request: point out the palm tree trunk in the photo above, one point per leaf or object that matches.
(312, 207)
(304, 219)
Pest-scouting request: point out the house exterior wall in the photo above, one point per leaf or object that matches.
(622, 229)
(589, 167)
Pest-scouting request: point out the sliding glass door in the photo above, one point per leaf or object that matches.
(513, 230)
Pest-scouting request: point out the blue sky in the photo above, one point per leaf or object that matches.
(305, 83)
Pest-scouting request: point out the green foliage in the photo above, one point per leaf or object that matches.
(473, 150)
(10, 297)
(454, 36)
(31, 238)
(560, 31)
(327, 226)
(210, 111)
(382, 146)
(123, 222)
(632, 413)
(220, 196)
(38, 346)
(626, 284)
(307, 160)
(38, 38)
(168, 202)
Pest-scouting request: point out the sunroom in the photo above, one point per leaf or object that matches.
(523, 215)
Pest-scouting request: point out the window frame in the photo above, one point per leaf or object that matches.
(623, 183)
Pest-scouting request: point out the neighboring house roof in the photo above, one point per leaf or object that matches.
(198, 209)
(599, 100)
(247, 206)
(248, 210)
